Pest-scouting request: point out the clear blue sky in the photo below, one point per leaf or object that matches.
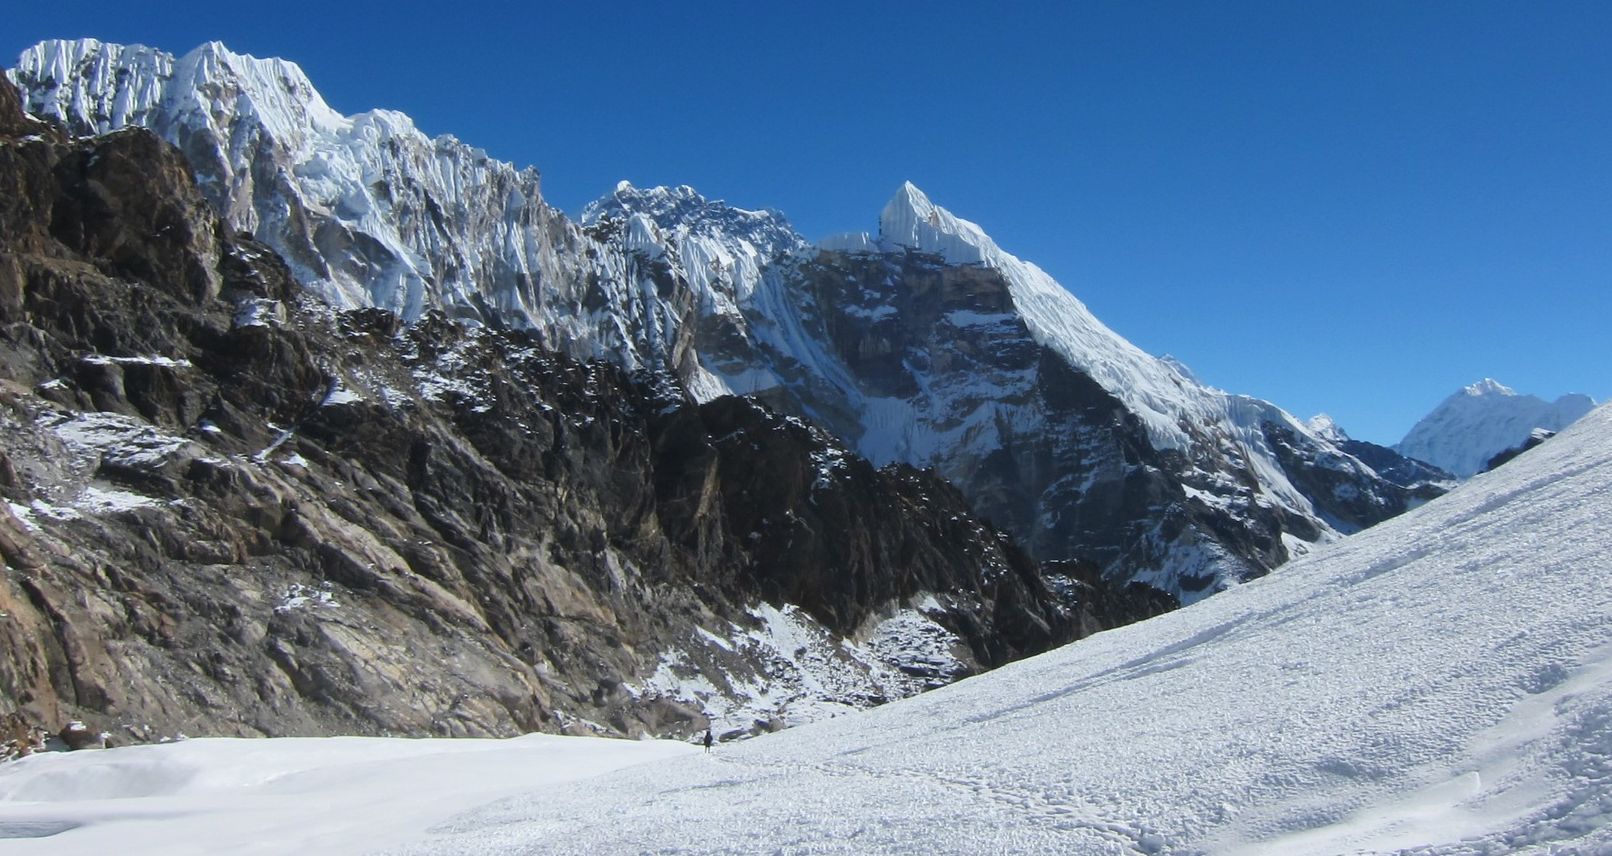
(1351, 207)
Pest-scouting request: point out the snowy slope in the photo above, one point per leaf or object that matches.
(1237, 457)
(1441, 684)
(1483, 420)
(1159, 392)
(293, 795)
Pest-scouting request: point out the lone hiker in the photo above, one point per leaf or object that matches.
(707, 740)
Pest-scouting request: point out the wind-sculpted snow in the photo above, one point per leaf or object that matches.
(1441, 684)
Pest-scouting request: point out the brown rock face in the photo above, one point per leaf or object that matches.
(231, 510)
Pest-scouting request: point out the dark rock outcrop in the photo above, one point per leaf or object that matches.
(1344, 501)
(1399, 469)
(1535, 437)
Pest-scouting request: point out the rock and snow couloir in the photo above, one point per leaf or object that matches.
(925, 344)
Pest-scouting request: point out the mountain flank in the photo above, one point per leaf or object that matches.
(233, 509)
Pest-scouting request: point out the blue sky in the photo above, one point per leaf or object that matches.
(1356, 208)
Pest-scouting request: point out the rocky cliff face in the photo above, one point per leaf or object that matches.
(232, 509)
(924, 343)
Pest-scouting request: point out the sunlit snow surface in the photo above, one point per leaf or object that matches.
(333, 795)
(1441, 683)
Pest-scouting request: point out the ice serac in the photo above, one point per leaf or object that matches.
(700, 263)
(1480, 421)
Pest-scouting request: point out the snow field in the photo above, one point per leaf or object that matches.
(292, 795)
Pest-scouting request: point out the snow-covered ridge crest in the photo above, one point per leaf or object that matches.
(1158, 392)
(100, 87)
(684, 208)
(1325, 426)
(1173, 405)
(723, 255)
(366, 209)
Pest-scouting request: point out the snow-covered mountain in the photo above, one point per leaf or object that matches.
(366, 209)
(230, 509)
(1439, 685)
(927, 344)
(1423, 479)
(1483, 420)
(924, 343)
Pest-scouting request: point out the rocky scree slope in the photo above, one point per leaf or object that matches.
(924, 343)
(232, 509)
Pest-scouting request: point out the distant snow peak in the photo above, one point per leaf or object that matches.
(1324, 426)
(1487, 386)
(1484, 419)
(683, 209)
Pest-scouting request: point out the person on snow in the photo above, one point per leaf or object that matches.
(707, 740)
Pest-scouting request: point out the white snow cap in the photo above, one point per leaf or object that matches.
(1487, 386)
(1324, 426)
(911, 220)
(1161, 392)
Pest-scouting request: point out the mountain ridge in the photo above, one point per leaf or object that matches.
(369, 212)
(232, 508)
